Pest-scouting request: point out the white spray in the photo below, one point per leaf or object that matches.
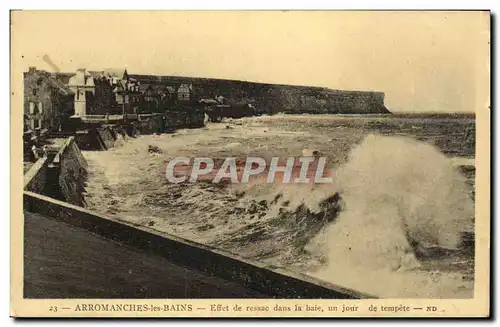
(395, 190)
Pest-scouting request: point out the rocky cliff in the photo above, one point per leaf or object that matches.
(274, 98)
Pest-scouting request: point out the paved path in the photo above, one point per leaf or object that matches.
(62, 261)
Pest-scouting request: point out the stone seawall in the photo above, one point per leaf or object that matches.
(106, 137)
(61, 177)
(151, 125)
(207, 260)
(90, 140)
(35, 178)
(71, 169)
(102, 138)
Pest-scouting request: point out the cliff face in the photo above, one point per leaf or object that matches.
(296, 99)
(273, 98)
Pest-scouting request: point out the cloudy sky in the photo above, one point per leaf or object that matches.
(423, 61)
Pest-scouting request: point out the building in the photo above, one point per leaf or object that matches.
(48, 102)
(127, 93)
(185, 92)
(150, 101)
(105, 100)
(83, 87)
(169, 95)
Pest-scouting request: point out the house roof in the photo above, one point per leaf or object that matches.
(126, 87)
(170, 89)
(209, 101)
(144, 87)
(54, 80)
(121, 86)
(120, 73)
(186, 87)
(60, 86)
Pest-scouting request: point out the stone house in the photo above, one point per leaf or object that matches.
(48, 102)
(185, 92)
(105, 100)
(150, 98)
(169, 95)
(127, 93)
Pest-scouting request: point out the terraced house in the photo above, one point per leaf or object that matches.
(127, 93)
(48, 102)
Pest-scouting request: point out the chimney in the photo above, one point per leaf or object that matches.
(80, 74)
(32, 69)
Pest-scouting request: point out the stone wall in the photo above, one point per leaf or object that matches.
(131, 130)
(35, 178)
(207, 260)
(88, 140)
(105, 135)
(151, 125)
(102, 138)
(71, 170)
(62, 177)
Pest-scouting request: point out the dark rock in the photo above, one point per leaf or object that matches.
(252, 209)
(239, 194)
(154, 149)
(276, 198)
(205, 227)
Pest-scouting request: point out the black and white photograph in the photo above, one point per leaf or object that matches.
(269, 163)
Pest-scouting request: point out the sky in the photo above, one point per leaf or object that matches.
(423, 61)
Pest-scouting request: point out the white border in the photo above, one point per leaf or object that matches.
(185, 4)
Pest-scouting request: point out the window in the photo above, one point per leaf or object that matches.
(34, 108)
(40, 107)
(35, 91)
(35, 123)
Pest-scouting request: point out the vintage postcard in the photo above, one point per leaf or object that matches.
(250, 163)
